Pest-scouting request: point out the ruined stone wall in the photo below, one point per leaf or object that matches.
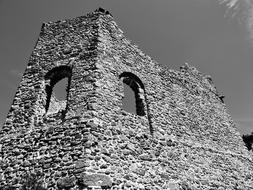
(35, 137)
(194, 140)
(181, 138)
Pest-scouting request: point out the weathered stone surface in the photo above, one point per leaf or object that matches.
(181, 137)
(66, 182)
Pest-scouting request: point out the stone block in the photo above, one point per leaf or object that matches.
(90, 180)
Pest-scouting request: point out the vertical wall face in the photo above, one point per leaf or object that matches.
(180, 135)
(42, 134)
(187, 137)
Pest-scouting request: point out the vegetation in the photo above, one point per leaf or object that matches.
(248, 140)
(30, 181)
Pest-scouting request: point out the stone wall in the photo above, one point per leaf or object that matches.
(181, 138)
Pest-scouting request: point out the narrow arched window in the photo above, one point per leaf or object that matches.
(138, 88)
(59, 75)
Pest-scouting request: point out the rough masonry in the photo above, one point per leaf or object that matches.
(180, 138)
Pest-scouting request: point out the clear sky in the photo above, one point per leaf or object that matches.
(170, 31)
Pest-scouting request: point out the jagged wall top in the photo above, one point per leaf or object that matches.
(49, 28)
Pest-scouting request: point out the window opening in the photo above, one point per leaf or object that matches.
(129, 104)
(141, 105)
(138, 88)
(60, 89)
(57, 85)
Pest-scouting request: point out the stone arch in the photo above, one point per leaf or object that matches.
(137, 86)
(54, 76)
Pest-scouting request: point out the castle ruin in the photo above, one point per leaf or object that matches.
(181, 137)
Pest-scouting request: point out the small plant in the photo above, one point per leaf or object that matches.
(32, 181)
(8, 188)
(248, 140)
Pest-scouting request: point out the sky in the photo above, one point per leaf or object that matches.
(172, 32)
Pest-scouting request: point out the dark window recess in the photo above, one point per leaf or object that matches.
(57, 88)
(138, 94)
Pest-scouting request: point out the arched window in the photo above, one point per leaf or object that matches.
(138, 88)
(52, 77)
